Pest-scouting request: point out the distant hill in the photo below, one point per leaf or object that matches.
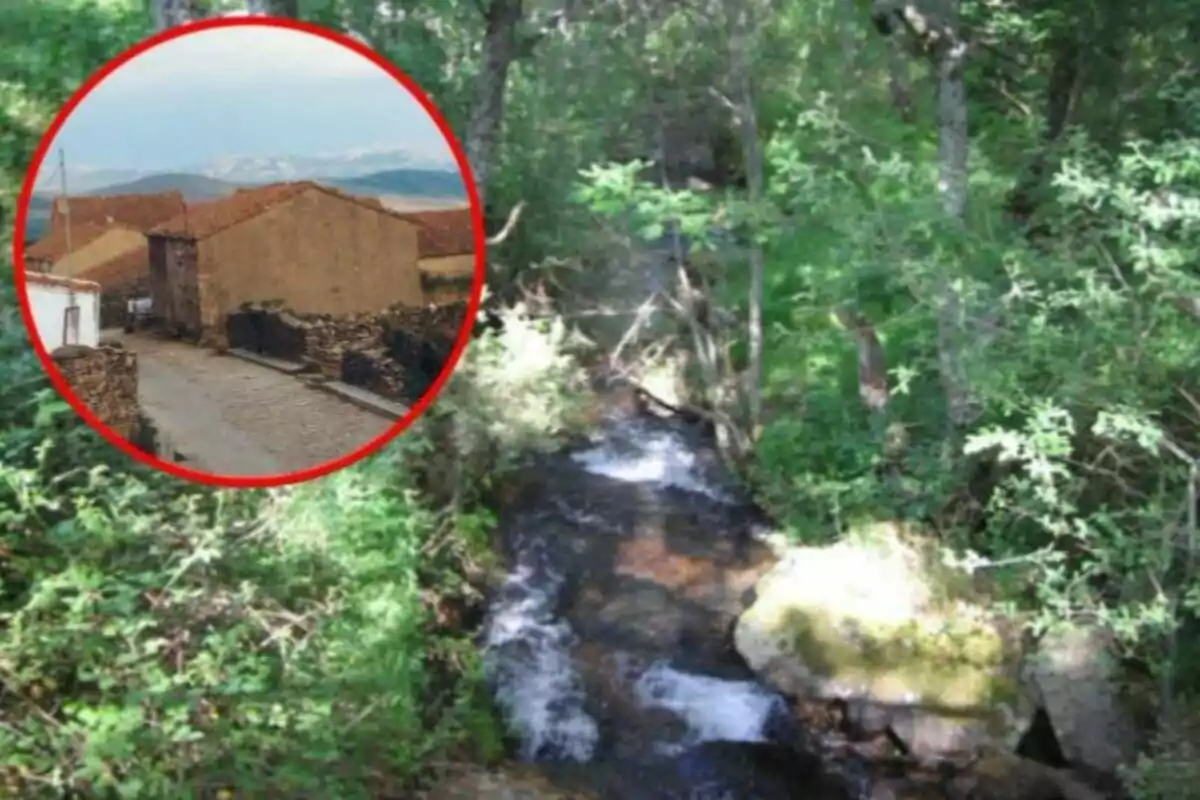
(193, 187)
(38, 219)
(406, 184)
(403, 182)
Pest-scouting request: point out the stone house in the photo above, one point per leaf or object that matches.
(42, 255)
(301, 246)
(101, 227)
(447, 263)
(138, 211)
(111, 243)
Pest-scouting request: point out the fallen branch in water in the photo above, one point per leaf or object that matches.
(687, 411)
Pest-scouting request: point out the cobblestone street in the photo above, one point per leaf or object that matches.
(232, 417)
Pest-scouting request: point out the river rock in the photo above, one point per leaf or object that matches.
(910, 644)
(1076, 678)
(502, 783)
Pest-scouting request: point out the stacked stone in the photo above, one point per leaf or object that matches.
(373, 370)
(105, 379)
(432, 324)
(329, 338)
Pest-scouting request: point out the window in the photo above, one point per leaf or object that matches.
(71, 325)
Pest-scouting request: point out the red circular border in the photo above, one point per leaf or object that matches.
(460, 344)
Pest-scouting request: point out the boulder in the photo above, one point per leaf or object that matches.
(999, 775)
(1075, 677)
(908, 643)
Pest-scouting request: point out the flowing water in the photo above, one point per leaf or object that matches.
(609, 644)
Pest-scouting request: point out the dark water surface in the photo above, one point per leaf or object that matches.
(609, 646)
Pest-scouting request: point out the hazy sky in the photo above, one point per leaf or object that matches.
(244, 92)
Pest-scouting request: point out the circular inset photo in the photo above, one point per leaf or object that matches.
(249, 251)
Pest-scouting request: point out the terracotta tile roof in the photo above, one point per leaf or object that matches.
(55, 280)
(53, 245)
(120, 269)
(200, 221)
(444, 232)
(138, 211)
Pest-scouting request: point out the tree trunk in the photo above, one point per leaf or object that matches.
(284, 8)
(752, 157)
(899, 85)
(171, 13)
(1062, 95)
(487, 112)
(935, 34)
(953, 150)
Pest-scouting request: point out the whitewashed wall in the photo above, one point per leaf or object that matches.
(49, 303)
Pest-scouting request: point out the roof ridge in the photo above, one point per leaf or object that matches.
(178, 225)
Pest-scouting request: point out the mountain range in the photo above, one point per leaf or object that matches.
(439, 186)
(246, 170)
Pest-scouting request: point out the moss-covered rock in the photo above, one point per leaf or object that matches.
(878, 620)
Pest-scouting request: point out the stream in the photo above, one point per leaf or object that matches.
(608, 645)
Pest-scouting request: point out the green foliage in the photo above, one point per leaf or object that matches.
(1077, 340)
(47, 49)
(1078, 328)
(160, 639)
(518, 389)
(165, 640)
(1169, 770)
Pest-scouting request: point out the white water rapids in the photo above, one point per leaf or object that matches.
(528, 647)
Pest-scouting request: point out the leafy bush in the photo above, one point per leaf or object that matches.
(165, 640)
(1171, 768)
(519, 388)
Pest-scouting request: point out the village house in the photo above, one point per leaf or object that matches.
(42, 255)
(447, 247)
(108, 244)
(66, 318)
(303, 246)
(138, 211)
(65, 311)
(123, 278)
(105, 242)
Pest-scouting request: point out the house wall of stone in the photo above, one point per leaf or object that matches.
(105, 380)
(174, 284)
(315, 254)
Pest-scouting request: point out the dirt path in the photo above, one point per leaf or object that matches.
(231, 417)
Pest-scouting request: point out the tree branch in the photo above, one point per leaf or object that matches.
(509, 225)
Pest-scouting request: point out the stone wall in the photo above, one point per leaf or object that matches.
(104, 379)
(421, 340)
(330, 338)
(268, 331)
(397, 354)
